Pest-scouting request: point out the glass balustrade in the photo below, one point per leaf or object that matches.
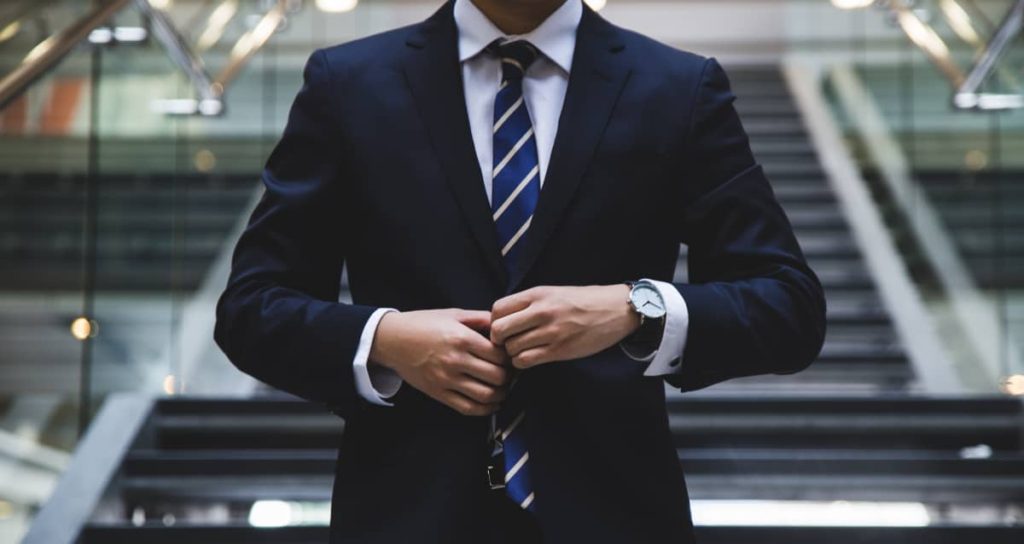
(957, 213)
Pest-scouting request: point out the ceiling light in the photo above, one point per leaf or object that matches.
(852, 4)
(336, 6)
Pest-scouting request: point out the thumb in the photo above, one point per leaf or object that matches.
(477, 320)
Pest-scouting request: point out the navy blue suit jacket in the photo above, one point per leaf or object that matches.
(376, 170)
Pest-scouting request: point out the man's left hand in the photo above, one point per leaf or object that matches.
(546, 324)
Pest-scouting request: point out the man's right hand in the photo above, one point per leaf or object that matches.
(447, 355)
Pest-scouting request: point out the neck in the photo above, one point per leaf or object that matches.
(517, 16)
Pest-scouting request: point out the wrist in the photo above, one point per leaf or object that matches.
(646, 302)
(381, 349)
(630, 319)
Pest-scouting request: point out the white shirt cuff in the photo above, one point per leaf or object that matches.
(667, 359)
(374, 383)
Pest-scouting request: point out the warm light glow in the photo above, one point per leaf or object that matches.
(218, 20)
(852, 4)
(975, 160)
(205, 160)
(596, 5)
(83, 328)
(921, 34)
(9, 31)
(170, 384)
(258, 35)
(162, 5)
(270, 514)
(960, 22)
(1014, 385)
(40, 49)
(336, 6)
(5, 510)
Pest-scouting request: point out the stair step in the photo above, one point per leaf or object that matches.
(717, 534)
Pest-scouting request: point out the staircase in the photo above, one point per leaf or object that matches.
(984, 215)
(196, 467)
(155, 232)
(851, 428)
(157, 237)
(862, 352)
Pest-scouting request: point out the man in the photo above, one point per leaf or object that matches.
(508, 184)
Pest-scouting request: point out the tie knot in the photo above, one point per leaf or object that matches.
(516, 56)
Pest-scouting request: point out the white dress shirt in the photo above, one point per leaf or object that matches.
(544, 87)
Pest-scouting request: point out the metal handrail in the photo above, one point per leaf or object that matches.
(251, 42)
(92, 468)
(905, 303)
(208, 92)
(967, 95)
(52, 50)
(967, 87)
(27, 8)
(978, 317)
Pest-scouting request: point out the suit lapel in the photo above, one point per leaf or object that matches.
(434, 76)
(597, 78)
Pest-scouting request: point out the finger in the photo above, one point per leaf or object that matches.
(504, 328)
(514, 303)
(478, 320)
(532, 338)
(480, 346)
(533, 357)
(478, 391)
(464, 405)
(485, 371)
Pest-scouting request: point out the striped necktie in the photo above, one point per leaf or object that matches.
(515, 190)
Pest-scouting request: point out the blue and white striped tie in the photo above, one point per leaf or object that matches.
(515, 190)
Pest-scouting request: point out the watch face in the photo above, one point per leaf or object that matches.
(647, 301)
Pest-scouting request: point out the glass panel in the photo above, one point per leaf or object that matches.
(965, 166)
(44, 201)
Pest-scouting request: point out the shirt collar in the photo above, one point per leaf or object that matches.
(555, 37)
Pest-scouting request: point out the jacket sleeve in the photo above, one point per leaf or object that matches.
(279, 318)
(755, 305)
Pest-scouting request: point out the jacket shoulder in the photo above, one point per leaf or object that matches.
(377, 50)
(651, 54)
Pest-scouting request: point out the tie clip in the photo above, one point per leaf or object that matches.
(495, 477)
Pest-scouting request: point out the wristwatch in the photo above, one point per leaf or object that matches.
(645, 299)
